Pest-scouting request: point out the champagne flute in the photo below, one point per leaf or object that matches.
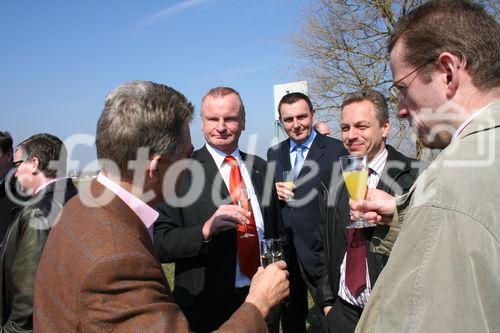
(245, 203)
(355, 172)
(288, 180)
(271, 250)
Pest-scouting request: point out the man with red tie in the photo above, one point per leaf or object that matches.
(212, 227)
(348, 269)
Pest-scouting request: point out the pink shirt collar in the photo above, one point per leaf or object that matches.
(145, 213)
(44, 185)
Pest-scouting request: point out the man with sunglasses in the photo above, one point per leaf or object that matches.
(443, 274)
(41, 168)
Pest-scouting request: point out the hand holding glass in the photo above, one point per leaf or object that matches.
(355, 172)
(244, 202)
(270, 251)
(288, 180)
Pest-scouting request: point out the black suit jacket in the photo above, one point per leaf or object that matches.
(399, 174)
(205, 271)
(301, 221)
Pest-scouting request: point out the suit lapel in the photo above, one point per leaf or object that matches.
(212, 174)
(284, 156)
(315, 153)
(389, 175)
(255, 174)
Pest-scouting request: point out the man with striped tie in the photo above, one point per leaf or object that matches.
(348, 270)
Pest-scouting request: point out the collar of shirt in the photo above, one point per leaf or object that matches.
(145, 213)
(306, 143)
(377, 165)
(219, 156)
(44, 185)
(468, 121)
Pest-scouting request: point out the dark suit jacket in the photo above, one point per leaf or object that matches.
(98, 273)
(205, 271)
(400, 172)
(21, 252)
(302, 223)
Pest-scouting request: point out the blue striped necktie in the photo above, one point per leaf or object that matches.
(299, 160)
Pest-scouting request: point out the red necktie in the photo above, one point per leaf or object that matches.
(355, 271)
(247, 248)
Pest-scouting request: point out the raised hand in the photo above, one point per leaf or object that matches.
(225, 217)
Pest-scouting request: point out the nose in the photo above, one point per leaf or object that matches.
(221, 125)
(402, 111)
(352, 134)
(296, 123)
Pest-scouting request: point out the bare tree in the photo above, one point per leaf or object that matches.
(344, 45)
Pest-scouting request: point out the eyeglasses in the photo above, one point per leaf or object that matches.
(394, 90)
(18, 163)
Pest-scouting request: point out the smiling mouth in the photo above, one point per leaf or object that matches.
(355, 146)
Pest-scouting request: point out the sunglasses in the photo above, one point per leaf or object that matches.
(18, 163)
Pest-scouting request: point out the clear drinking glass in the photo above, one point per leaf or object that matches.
(288, 180)
(245, 203)
(271, 250)
(355, 172)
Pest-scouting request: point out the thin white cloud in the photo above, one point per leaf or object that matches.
(172, 10)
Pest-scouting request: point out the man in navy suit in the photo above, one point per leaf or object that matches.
(309, 156)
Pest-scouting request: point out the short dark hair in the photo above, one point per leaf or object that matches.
(220, 92)
(373, 96)
(141, 114)
(5, 142)
(293, 98)
(456, 26)
(46, 148)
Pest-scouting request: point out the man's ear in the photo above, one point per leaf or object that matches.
(153, 168)
(36, 163)
(450, 65)
(386, 127)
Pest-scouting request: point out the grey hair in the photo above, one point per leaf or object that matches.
(141, 114)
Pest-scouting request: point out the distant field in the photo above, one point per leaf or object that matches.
(313, 325)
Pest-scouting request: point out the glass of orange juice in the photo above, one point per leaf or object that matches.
(355, 172)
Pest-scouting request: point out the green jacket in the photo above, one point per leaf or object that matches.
(19, 257)
(443, 274)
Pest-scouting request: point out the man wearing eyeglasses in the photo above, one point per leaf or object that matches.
(41, 171)
(443, 274)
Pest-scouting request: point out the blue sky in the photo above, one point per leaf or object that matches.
(60, 58)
